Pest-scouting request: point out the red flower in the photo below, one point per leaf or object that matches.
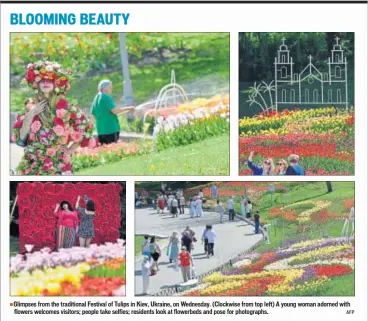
(84, 142)
(61, 83)
(67, 167)
(73, 116)
(58, 121)
(18, 123)
(62, 104)
(332, 270)
(30, 76)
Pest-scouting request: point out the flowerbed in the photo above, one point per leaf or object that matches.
(91, 157)
(323, 138)
(300, 269)
(94, 271)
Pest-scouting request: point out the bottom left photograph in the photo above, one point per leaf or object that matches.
(67, 238)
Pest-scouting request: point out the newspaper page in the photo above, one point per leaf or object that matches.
(151, 155)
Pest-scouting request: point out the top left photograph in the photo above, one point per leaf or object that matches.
(119, 104)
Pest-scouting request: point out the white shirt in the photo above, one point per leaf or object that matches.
(200, 194)
(249, 207)
(210, 236)
(198, 204)
(174, 202)
(145, 269)
(230, 204)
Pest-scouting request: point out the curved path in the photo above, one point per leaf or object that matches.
(232, 238)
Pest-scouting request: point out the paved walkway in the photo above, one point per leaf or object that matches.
(232, 239)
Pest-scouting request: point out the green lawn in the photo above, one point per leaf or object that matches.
(208, 58)
(209, 157)
(138, 239)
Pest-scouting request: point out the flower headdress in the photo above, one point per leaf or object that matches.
(48, 70)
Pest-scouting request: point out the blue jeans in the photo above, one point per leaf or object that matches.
(257, 227)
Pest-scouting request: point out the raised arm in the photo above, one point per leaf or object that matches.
(122, 110)
(77, 203)
(57, 208)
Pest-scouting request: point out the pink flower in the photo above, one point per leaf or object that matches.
(61, 166)
(60, 113)
(31, 137)
(33, 165)
(35, 127)
(92, 143)
(51, 152)
(59, 130)
(77, 136)
(66, 158)
(27, 171)
(13, 138)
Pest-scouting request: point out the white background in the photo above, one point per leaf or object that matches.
(232, 18)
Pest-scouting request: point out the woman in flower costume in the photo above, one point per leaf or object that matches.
(50, 128)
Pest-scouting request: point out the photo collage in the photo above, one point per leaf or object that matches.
(95, 106)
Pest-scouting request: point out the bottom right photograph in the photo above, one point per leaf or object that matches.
(245, 238)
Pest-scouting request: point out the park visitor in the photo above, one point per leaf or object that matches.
(146, 246)
(267, 168)
(249, 209)
(169, 202)
(210, 235)
(350, 219)
(105, 113)
(182, 204)
(199, 206)
(67, 224)
(173, 247)
(230, 207)
(145, 274)
(282, 165)
(192, 206)
(200, 194)
(243, 203)
(214, 191)
(186, 262)
(155, 253)
(86, 230)
(205, 239)
(174, 207)
(160, 204)
(294, 168)
(257, 218)
(266, 228)
(186, 241)
(220, 209)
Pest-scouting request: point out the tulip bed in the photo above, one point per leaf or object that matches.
(307, 268)
(323, 138)
(94, 271)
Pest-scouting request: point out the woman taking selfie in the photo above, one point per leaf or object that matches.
(86, 231)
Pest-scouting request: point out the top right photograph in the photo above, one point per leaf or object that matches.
(296, 103)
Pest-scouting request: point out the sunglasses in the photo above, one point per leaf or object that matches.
(280, 164)
(267, 163)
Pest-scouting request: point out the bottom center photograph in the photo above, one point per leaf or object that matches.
(244, 238)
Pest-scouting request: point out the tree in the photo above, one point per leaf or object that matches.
(329, 187)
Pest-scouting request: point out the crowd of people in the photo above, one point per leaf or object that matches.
(268, 168)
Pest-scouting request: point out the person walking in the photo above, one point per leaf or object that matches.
(230, 207)
(199, 206)
(192, 205)
(205, 239)
(174, 207)
(214, 191)
(182, 204)
(211, 241)
(249, 209)
(186, 262)
(160, 204)
(266, 228)
(243, 204)
(186, 241)
(155, 253)
(220, 209)
(257, 218)
(173, 247)
(145, 274)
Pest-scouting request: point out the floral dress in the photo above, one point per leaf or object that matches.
(86, 228)
(44, 146)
